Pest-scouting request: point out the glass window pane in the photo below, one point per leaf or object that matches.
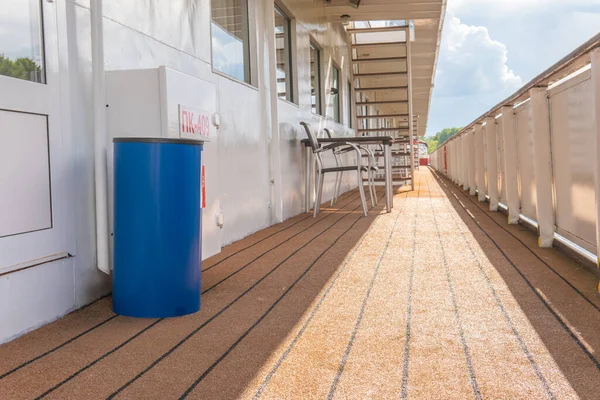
(230, 38)
(21, 40)
(335, 93)
(315, 78)
(283, 55)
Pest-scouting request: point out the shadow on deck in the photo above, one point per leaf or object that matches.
(439, 299)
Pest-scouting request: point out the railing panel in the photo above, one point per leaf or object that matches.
(526, 154)
(485, 167)
(573, 159)
(500, 158)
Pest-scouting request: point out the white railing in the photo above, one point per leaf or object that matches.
(545, 168)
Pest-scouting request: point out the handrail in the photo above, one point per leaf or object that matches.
(575, 60)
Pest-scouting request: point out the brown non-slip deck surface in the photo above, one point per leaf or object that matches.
(438, 299)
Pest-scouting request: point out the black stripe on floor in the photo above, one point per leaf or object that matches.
(311, 316)
(340, 370)
(483, 210)
(264, 315)
(466, 350)
(308, 215)
(186, 338)
(507, 318)
(65, 343)
(564, 325)
(404, 392)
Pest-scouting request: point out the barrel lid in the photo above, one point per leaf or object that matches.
(157, 140)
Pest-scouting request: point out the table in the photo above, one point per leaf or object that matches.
(385, 141)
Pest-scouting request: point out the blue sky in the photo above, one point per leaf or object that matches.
(490, 48)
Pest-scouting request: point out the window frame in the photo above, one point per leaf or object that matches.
(41, 42)
(336, 68)
(250, 75)
(318, 109)
(289, 43)
(349, 99)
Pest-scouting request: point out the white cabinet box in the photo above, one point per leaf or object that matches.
(162, 102)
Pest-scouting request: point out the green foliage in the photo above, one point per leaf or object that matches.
(22, 68)
(440, 137)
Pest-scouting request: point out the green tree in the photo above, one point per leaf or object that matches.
(22, 68)
(440, 137)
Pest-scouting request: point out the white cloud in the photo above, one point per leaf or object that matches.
(476, 72)
(471, 63)
(488, 7)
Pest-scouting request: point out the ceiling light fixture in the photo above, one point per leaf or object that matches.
(354, 3)
(345, 19)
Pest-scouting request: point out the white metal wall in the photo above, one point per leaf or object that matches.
(255, 127)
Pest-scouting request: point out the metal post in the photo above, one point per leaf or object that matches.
(459, 155)
(542, 165)
(480, 162)
(452, 161)
(387, 156)
(465, 151)
(510, 164)
(307, 178)
(456, 161)
(596, 108)
(410, 109)
(492, 162)
(448, 160)
(472, 160)
(103, 257)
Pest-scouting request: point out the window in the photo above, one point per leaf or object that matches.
(349, 105)
(335, 92)
(21, 43)
(283, 44)
(315, 78)
(230, 38)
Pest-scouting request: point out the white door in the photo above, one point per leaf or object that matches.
(32, 177)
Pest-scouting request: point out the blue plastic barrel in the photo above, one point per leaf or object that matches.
(157, 227)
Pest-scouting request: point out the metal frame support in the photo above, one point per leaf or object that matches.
(461, 173)
(465, 160)
(596, 109)
(449, 159)
(472, 161)
(456, 170)
(451, 163)
(479, 165)
(542, 165)
(510, 164)
(411, 129)
(492, 162)
(455, 161)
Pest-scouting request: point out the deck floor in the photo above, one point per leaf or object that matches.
(439, 299)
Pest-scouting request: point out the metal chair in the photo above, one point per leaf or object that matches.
(338, 176)
(318, 149)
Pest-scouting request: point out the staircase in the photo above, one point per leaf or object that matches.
(382, 90)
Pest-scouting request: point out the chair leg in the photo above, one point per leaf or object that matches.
(334, 195)
(371, 190)
(361, 189)
(320, 180)
(339, 185)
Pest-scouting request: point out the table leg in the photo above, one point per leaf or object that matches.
(388, 177)
(307, 178)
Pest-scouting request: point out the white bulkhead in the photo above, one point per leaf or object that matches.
(253, 161)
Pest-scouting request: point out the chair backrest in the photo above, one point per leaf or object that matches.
(328, 132)
(312, 139)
